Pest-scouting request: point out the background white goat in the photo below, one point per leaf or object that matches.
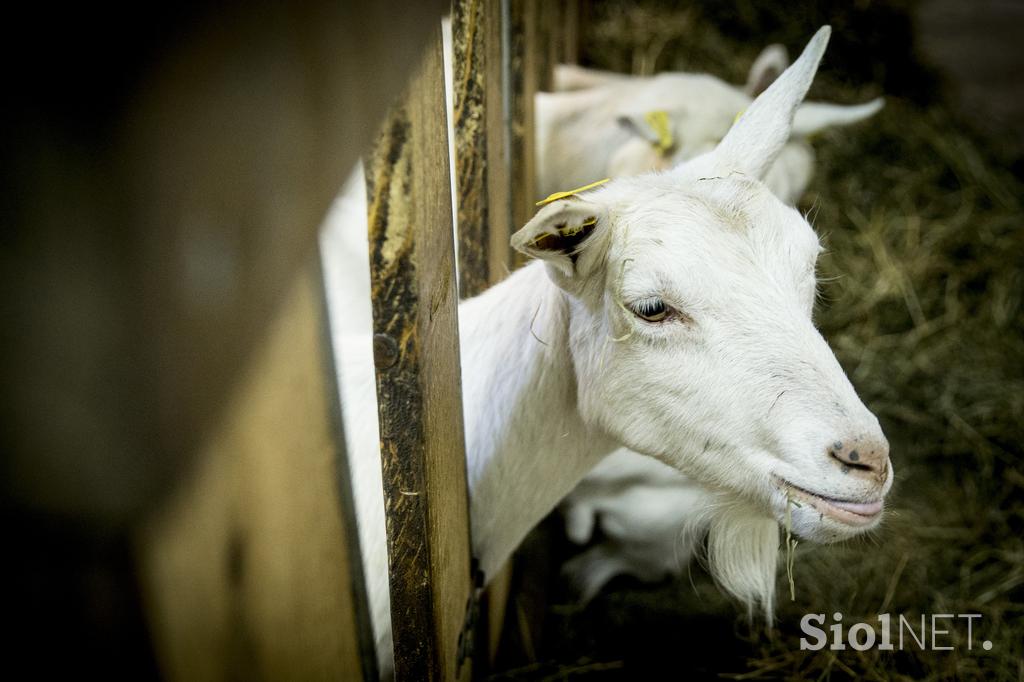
(601, 124)
(649, 515)
(662, 317)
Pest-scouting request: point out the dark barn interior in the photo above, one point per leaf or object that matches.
(921, 298)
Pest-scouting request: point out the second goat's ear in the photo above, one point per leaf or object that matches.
(561, 231)
(813, 117)
(768, 66)
(656, 127)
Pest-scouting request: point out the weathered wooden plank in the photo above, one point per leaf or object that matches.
(416, 350)
(250, 570)
(481, 166)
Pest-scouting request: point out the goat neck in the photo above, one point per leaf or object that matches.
(527, 446)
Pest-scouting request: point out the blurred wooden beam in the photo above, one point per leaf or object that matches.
(251, 569)
(165, 174)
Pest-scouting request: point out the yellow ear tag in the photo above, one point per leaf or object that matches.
(659, 122)
(567, 231)
(575, 230)
(739, 114)
(561, 195)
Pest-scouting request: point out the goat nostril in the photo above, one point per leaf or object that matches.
(852, 460)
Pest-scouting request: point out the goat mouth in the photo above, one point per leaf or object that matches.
(850, 512)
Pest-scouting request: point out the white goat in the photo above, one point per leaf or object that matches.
(645, 510)
(768, 66)
(669, 313)
(649, 515)
(604, 124)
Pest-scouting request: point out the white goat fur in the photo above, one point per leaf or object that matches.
(558, 370)
(594, 126)
(654, 518)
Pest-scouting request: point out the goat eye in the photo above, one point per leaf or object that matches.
(651, 309)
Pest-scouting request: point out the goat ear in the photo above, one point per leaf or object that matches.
(768, 66)
(635, 124)
(656, 127)
(813, 117)
(560, 232)
(752, 144)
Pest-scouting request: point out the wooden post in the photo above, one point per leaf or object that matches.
(570, 48)
(251, 569)
(416, 352)
(550, 29)
(481, 164)
(484, 208)
(522, 83)
(538, 36)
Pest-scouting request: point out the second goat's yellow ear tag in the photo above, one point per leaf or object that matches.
(561, 195)
(660, 124)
